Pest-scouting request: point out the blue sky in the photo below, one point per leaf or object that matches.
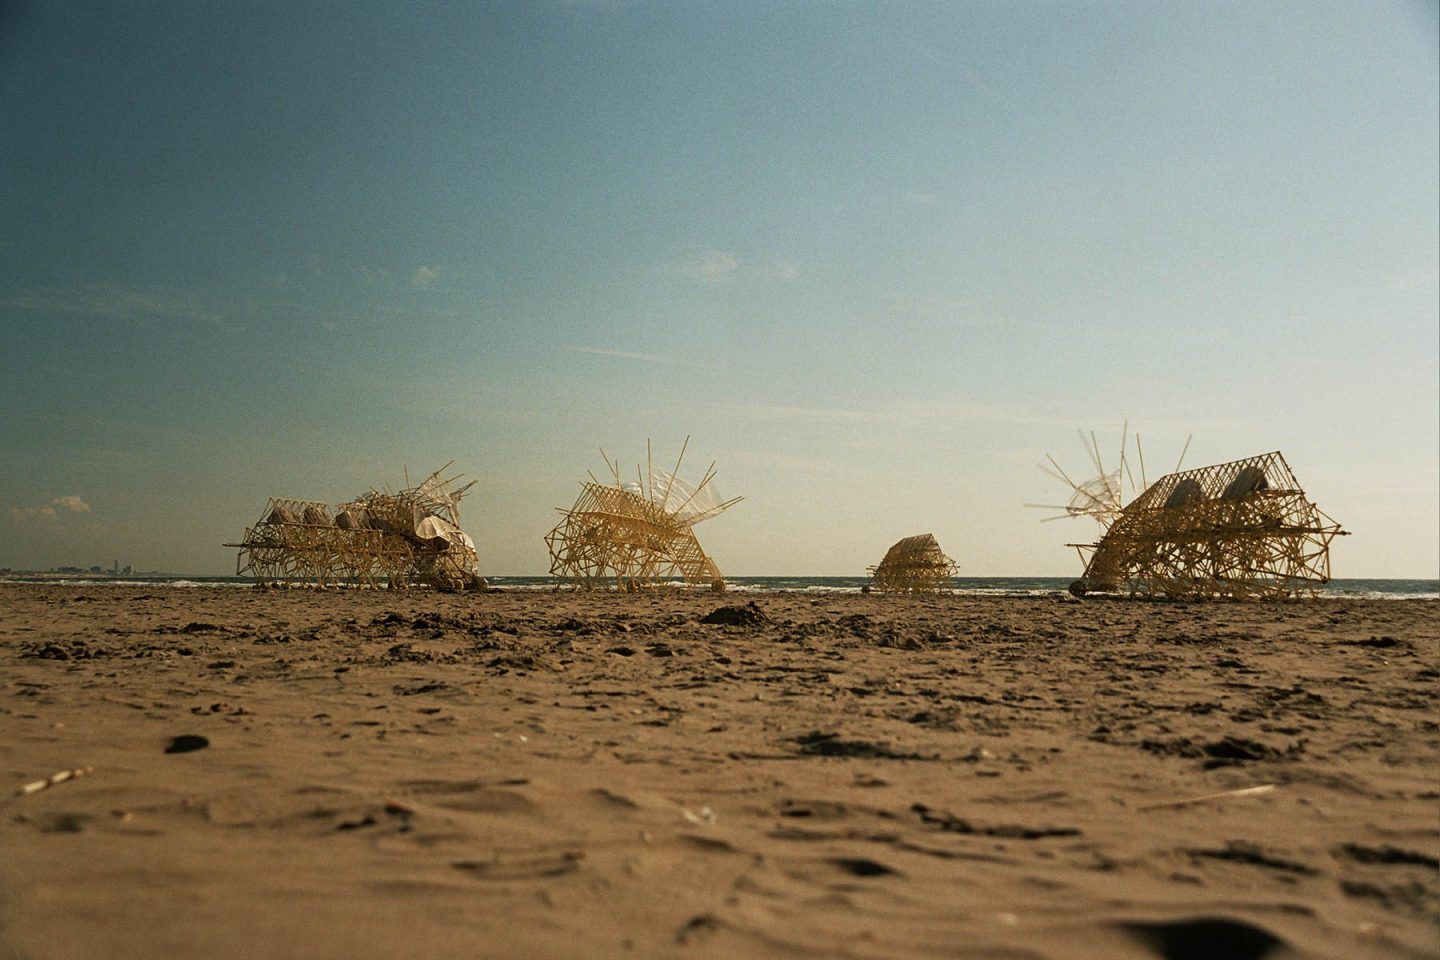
(874, 258)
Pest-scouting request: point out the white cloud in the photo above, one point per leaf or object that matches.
(716, 267)
(425, 276)
(70, 504)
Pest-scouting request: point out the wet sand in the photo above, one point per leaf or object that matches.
(531, 774)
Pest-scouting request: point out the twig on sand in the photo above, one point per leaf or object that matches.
(58, 777)
(1222, 795)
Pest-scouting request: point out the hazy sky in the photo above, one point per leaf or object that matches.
(874, 258)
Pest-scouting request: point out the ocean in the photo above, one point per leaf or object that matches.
(964, 586)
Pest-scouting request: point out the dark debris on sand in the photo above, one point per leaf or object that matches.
(820, 744)
(739, 615)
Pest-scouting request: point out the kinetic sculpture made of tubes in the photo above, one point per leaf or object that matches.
(1100, 498)
(914, 565)
(634, 535)
(1242, 529)
(378, 539)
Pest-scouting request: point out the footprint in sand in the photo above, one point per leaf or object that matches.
(522, 867)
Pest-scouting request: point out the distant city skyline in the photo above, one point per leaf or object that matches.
(874, 260)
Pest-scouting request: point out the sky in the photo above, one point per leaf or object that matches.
(875, 260)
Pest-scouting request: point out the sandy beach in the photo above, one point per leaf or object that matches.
(551, 775)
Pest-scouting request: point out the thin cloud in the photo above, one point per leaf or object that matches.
(956, 311)
(51, 510)
(824, 414)
(950, 64)
(909, 413)
(1413, 279)
(112, 303)
(425, 276)
(625, 355)
(716, 267)
(783, 269)
(775, 461)
(378, 276)
(721, 266)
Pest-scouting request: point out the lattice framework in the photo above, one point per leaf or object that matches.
(914, 565)
(377, 539)
(620, 535)
(1242, 529)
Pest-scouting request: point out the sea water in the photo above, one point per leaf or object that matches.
(963, 586)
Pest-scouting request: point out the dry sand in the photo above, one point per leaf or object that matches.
(550, 775)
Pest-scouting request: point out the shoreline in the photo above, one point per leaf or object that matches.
(1341, 588)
